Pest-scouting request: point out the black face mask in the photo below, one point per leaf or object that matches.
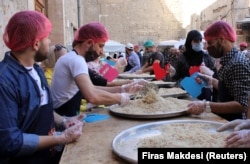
(216, 50)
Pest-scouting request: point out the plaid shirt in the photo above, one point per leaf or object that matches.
(235, 73)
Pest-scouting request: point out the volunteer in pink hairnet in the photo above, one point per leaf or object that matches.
(233, 82)
(71, 81)
(243, 48)
(27, 120)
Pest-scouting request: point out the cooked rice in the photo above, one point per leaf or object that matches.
(185, 135)
(159, 106)
(171, 91)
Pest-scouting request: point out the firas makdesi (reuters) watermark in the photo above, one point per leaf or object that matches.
(193, 154)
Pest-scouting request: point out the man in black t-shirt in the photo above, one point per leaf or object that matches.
(154, 56)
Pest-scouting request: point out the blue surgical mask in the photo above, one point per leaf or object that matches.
(197, 47)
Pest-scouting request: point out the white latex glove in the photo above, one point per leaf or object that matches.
(205, 70)
(72, 133)
(138, 72)
(122, 62)
(70, 121)
(125, 98)
(140, 81)
(131, 88)
(236, 125)
(207, 78)
(196, 107)
(217, 64)
(238, 139)
(89, 106)
(172, 71)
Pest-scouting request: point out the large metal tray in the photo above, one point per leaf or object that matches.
(124, 144)
(175, 93)
(148, 116)
(164, 84)
(179, 95)
(135, 76)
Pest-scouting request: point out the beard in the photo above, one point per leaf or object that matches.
(91, 55)
(40, 56)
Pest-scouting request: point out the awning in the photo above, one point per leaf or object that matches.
(167, 43)
(114, 46)
(245, 20)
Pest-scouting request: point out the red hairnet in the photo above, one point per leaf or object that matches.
(95, 31)
(24, 28)
(220, 28)
(136, 46)
(243, 44)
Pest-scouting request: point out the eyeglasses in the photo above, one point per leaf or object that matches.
(59, 47)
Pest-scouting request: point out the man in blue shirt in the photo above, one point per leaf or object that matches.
(133, 59)
(27, 120)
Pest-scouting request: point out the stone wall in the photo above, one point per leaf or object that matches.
(137, 20)
(130, 20)
(7, 9)
(230, 11)
(71, 20)
(62, 14)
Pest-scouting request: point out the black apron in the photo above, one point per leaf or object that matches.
(224, 96)
(71, 107)
(43, 124)
(128, 67)
(206, 94)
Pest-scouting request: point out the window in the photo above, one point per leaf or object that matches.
(40, 6)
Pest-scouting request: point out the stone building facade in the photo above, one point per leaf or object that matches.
(130, 20)
(231, 11)
(7, 9)
(62, 13)
(136, 21)
(64, 18)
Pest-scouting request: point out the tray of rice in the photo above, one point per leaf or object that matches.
(172, 92)
(135, 76)
(152, 106)
(168, 134)
(161, 83)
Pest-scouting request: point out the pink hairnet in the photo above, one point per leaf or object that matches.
(243, 44)
(136, 46)
(220, 28)
(95, 31)
(24, 28)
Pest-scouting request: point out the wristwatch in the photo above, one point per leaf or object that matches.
(207, 107)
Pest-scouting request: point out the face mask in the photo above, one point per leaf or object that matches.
(197, 47)
(216, 50)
